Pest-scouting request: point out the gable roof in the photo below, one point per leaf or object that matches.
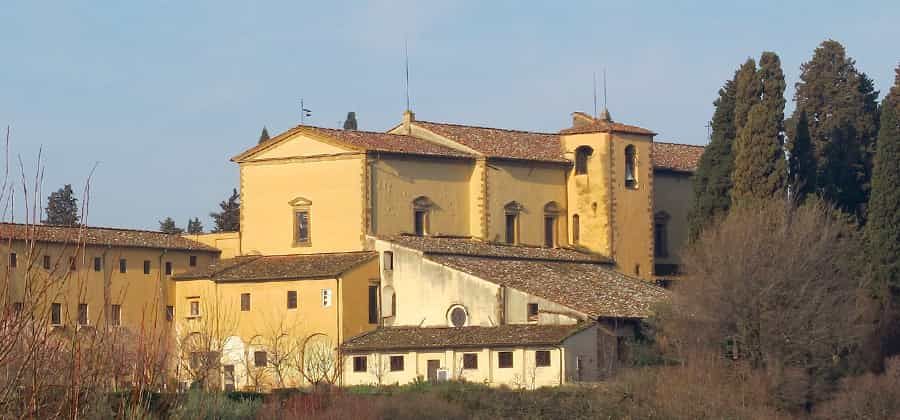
(676, 157)
(100, 236)
(409, 338)
(499, 143)
(590, 124)
(361, 141)
(583, 282)
(279, 267)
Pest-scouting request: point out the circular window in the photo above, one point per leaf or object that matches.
(458, 316)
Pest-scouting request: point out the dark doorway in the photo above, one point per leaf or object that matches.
(433, 366)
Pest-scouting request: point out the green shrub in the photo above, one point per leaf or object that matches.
(217, 406)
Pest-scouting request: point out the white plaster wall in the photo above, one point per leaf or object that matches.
(584, 345)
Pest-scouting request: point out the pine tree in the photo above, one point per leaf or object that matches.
(264, 135)
(759, 165)
(229, 218)
(712, 180)
(802, 162)
(62, 208)
(194, 226)
(840, 104)
(168, 225)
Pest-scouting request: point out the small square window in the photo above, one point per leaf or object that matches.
(292, 299)
(168, 268)
(123, 265)
(505, 359)
(115, 315)
(13, 261)
(470, 360)
(46, 262)
(98, 263)
(195, 308)
(387, 260)
(146, 266)
(245, 302)
(170, 312)
(192, 260)
(533, 311)
(396, 363)
(359, 363)
(82, 314)
(542, 358)
(56, 314)
(260, 359)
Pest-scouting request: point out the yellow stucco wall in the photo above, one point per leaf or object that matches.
(354, 298)
(299, 145)
(532, 185)
(632, 209)
(334, 186)
(589, 194)
(228, 242)
(400, 180)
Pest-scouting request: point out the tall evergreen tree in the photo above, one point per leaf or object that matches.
(801, 162)
(712, 180)
(749, 89)
(840, 103)
(264, 135)
(759, 164)
(229, 218)
(168, 225)
(62, 208)
(194, 226)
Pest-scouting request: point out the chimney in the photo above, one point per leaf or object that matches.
(350, 122)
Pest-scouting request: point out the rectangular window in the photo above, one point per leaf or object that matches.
(532, 311)
(55, 314)
(549, 231)
(292, 299)
(12, 260)
(245, 302)
(505, 359)
(542, 358)
(388, 260)
(98, 263)
(170, 312)
(396, 363)
(260, 359)
(470, 360)
(511, 221)
(46, 262)
(146, 266)
(195, 308)
(576, 229)
(301, 235)
(373, 304)
(123, 265)
(359, 364)
(82, 314)
(115, 315)
(421, 220)
(326, 298)
(192, 260)
(168, 268)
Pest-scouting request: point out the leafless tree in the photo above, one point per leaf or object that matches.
(201, 341)
(319, 360)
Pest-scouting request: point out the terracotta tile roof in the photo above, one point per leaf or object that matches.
(501, 143)
(364, 141)
(596, 290)
(596, 125)
(472, 247)
(676, 157)
(101, 236)
(279, 267)
(402, 338)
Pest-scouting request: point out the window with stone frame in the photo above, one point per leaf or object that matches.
(422, 208)
(302, 215)
(631, 177)
(551, 219)
(511, 211)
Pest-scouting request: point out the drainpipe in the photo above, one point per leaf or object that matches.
(562, 364)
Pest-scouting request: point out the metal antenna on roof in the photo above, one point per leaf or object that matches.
(595, 94)
(406, 61)
(604, 89)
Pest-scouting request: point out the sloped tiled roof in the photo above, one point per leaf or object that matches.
(279, 267)
(397, 338)
(100, 236)
(676, 157)
(501, 143)
(597, 125)
(364, 141)
(581, 281)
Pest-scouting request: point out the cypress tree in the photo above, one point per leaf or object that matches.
(801, 163)
(229, 218)
(168, 225)
(759, 165)
(194, 226)
(62, 207)
(264, 135)
(840, 103)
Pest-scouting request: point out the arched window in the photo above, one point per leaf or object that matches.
(551, 215)
(512, 210)
(582, 153)
(630, 168)
(661, 234)
(576, 228)
(421, 215)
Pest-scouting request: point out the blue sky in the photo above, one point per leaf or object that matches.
(160, 94)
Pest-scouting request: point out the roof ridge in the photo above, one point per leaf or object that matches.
(589, 258)
(119, 229)
(355, 131)
(512, 130)
(678, 144)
